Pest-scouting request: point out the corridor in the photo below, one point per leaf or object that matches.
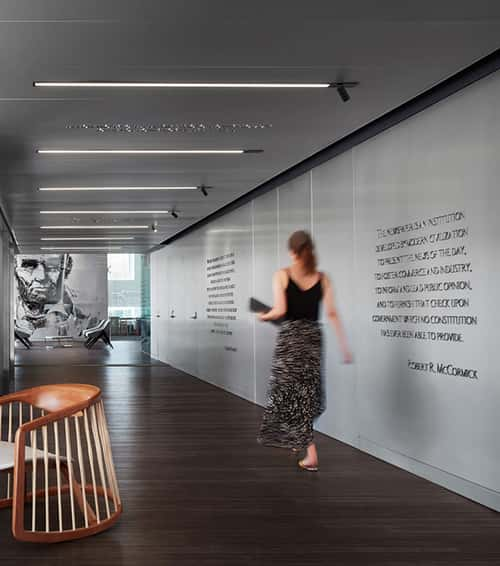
(199, 491)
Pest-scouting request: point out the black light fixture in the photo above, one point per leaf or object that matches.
(203, 189)
(342, 87)
(174, 214)
(154, 226)
(342, 91)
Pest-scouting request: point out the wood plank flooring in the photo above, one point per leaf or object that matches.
(199, 491)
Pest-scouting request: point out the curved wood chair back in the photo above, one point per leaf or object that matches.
(53, 398)
(61, 482)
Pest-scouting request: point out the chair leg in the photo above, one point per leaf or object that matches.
(106, 340)
(24, 341)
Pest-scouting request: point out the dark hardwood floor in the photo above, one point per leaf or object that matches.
(199, 491)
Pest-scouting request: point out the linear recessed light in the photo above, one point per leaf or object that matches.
(131, 212)
(120, 84)
(94, 227)
(88, 238)
(118, 188)
(82, 248)
(146, 151)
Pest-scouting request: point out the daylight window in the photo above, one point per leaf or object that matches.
(121, 267)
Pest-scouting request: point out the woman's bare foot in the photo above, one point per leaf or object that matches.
(310, 462)
(306, 466)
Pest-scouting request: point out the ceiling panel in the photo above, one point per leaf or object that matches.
(395, 50)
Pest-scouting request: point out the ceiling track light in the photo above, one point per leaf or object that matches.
(203, 189)
(342, 89)
(146, 151)
(166, 85)
(174, 214)
(344, 95)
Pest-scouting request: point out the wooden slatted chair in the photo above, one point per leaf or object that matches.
(56, 466)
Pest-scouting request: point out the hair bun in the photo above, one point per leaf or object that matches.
(301, 243)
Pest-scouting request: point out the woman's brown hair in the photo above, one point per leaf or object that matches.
(301, 244)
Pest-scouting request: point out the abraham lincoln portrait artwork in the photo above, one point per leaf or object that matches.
(55, 295)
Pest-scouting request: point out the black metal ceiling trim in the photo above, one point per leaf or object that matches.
(475, 72)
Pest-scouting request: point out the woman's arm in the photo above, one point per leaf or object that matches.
(334, 319)
(279, 297)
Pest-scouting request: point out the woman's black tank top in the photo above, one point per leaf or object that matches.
(303, 305)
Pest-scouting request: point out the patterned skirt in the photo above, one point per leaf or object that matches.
(295, 396)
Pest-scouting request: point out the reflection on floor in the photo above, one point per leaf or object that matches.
(199, 491)
(124, 352)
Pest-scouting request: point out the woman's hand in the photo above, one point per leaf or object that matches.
(262, 316)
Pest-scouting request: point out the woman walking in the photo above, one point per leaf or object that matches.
(296, 396)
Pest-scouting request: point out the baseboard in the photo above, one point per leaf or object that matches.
(479, 494)
(236, 393)
(341, 437)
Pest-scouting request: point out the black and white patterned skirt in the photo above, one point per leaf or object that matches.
(296, 395)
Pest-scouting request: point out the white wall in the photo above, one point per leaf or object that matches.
(445, 159)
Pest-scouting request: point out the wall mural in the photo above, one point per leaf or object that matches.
(60, 294)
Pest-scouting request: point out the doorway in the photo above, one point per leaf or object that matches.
(129, 300)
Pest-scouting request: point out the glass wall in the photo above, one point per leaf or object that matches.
(6, 286)
(129, 303)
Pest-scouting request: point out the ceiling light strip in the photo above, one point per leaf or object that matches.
(82, 248)
(118, 188)
(119, 84)
(130, 212)
(87, 238)
(146, 151)
(95, 227)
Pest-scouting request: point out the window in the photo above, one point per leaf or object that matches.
(128, 286)
(121, 267)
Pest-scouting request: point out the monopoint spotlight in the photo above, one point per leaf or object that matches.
(174, 214)
(154, 226)
(342, 92)
(203, 189)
